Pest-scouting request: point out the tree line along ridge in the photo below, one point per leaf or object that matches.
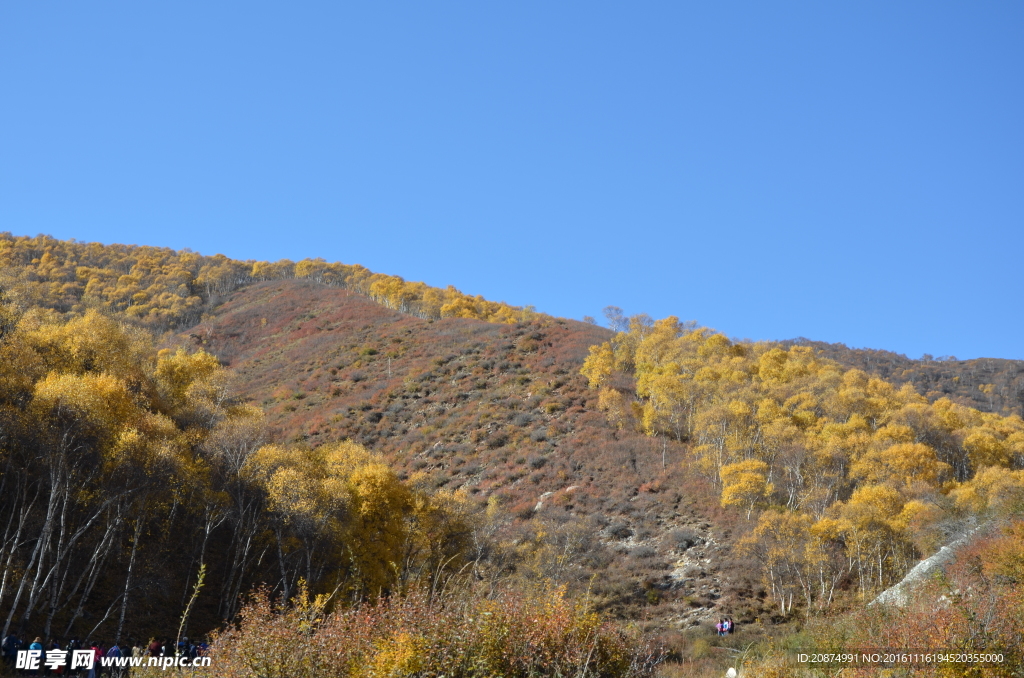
(164, 289)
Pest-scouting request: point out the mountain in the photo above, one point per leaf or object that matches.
(455, 391)
(320, 425)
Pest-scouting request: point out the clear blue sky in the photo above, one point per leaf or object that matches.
(843, 171)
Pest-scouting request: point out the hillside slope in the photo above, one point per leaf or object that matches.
(465, 395)
(502, 413)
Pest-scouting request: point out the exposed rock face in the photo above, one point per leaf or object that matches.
(899, 595)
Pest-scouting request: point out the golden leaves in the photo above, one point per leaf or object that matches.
(993, 489)
(598, 366)
(164, 288)
(986, 449)
(745, 484)
(179, 371)
(902, 464)
(100, 400)
(91, 343)
(348, 496)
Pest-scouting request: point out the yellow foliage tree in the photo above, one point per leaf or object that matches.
(744, 484)
(994, 489)
(164, 289)
(901, 464)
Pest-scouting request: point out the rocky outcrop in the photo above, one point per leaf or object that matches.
(899, 595)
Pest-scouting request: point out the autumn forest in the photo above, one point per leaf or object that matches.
(328, 471)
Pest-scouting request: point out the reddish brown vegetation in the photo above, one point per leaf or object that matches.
(501, 412)
(462, 635)
(975, 606)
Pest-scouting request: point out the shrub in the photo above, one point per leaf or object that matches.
(643, 552)
(552, 406)
(700, 648)
(524, 510)
(498, 439)
(683, 538)
(522, 419)
(529, 346)
(618, 530)
(459, 635)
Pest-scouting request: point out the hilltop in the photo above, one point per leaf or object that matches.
(164, 290)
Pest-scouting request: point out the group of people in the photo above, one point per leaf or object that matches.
(725, 626)
(12, 644)
(186, 648)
